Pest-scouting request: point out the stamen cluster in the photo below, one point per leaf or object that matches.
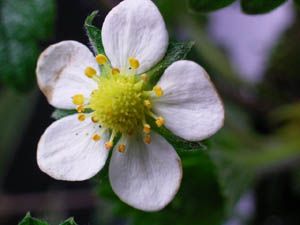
(120, 104)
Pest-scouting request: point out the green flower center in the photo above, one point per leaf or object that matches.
(118, 103)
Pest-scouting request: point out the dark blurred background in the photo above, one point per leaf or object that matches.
(246, 174)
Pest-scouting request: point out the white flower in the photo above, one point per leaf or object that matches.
(145, 170)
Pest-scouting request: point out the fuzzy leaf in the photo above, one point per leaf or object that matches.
(176, 51)
(205, 6)
(28, 220)
(260, 6)
(69, 221)
(22, 25)
(94, 34)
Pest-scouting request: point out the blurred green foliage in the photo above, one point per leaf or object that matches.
(260, 6)
(208, 5)
(23, 24)
(12, 124)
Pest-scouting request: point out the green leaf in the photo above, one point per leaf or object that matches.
(176, 51)
(260, 6)
(234, 177)
(208, 5)
(61, 113)
(22, 25)
(28, 220)
(69, 221)
(94, 34)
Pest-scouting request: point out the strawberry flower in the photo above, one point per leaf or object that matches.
(110, 95)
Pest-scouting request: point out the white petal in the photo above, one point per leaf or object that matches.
(135, 28)
(66, 150)
(60, 73)
(190, 105)
(146, 177)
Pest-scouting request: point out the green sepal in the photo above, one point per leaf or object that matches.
(94, 34)
(205, 6)
(178, 143)
(61, 113)
(260, 6)
(28, 220)
(176, 51)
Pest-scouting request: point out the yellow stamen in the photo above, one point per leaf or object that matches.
(134, 63)
(122, 148)
(81, 117)
(101, 59)
(96, 137)
(144, 77)
(148, 104)
(160, 121)
(115, 71)
(147, 139)
(158, 91)
(80, 108)
(78, 99)
(147, 128)
(108, 145)
(94, 119)
(90, 72)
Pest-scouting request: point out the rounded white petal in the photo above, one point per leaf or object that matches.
(60, 73)
(146, 177)
(66, 150)
(190, 105)
(135, 28)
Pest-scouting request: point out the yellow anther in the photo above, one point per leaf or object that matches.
(96, 137)
(158, 91)
(90, 72)
(147, 139)
(134, 63)
(78, 99)
(147, 128)
(108, 145)
(115, 71)
(81, 117)
(94, 119)
(144, 77)
(122, 148)
(101, 59)
(148, 104)
(80, 108)
(160, 121)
